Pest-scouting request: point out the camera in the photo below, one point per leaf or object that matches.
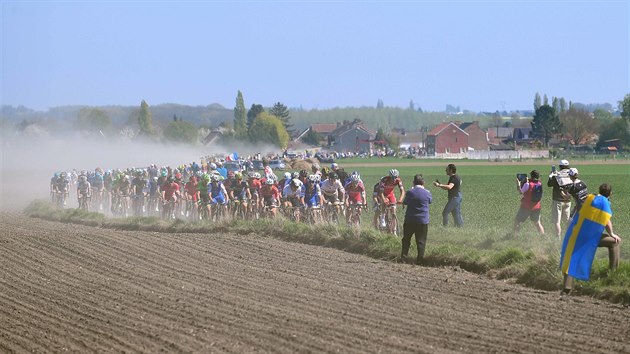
(522, 177)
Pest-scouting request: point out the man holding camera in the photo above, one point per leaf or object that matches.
(531, 190)
(561, 199)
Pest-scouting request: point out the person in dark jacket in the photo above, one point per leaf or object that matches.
(417, 201)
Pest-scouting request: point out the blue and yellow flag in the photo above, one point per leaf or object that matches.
(583, 235)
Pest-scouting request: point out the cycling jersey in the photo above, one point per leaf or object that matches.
(254, 187)
(83, 187)
(312, 194)
(239, 189)
(217, 193)
(330, 188)
(170, 190)
(138, 185)
(387, 186)
(355, 192)
(288, 192)
(191, 189)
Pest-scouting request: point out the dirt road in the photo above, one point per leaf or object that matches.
(81, 289)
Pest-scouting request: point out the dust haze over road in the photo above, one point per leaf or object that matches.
(28, 164)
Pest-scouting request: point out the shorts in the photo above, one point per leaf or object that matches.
(523, 214)
(391, 198)
(560, 210)
(312, 202)
(270, 201)
(204, 198)
(331, 198)
(295, 202)
(218, 200)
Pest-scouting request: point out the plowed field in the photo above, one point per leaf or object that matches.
(81, 289)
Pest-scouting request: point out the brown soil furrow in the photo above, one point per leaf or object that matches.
(244, 293)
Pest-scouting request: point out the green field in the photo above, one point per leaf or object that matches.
(490, 202)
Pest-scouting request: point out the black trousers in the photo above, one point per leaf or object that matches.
(420, 230)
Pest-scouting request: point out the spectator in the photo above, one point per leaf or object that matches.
(585, 234)
(454, 204)
(561, 199)
(578, 190)
(531, 191)
(417, 201)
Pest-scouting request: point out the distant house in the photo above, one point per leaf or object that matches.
(351, 136)
(447, 138)
(323, 129)
(611, 146)
(477, 137)
(498, 135)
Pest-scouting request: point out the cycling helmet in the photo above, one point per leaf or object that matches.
(313, 178)
(334, 166)
(256, 175)
(213, 166)
(333, 175)
(295, 175)
(394, 173)
(216, 178)
(355, 178)
(219, 163)
(238, 175)
(82, 178)
(269, 181)
(303, 173)
(171, 179)
(573, 172)
(63, 175)
(296, 182)
(205, 177)
(57, 174)
(287, 175)
(199, 173)
(154, 179)
(164, 173)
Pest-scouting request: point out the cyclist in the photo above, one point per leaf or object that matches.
(387, 195)
(332, 189)
(254, 190)
(204, 195)
(62, 186)
(343, 175)
(138, 185)
(84, 191)
(239, 191)
(191, 194)
(355, 193)
(97, 187)
(294, 196)
(218, 194)
(270, 195)
(154, 194)
(124, 190)
(313, 192)
(170, 193)
(53, 186)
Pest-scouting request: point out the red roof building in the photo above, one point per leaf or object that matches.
(447, 137)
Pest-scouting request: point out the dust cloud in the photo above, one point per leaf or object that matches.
(27, 166)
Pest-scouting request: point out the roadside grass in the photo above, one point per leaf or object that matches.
(528, 258)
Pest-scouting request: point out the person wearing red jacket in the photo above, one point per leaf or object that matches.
(530, 202)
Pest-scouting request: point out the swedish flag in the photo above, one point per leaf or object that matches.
(583, 235)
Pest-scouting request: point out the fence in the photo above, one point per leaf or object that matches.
(493, 155)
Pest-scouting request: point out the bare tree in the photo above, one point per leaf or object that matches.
(578, 124)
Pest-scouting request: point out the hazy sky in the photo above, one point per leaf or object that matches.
(480, 55)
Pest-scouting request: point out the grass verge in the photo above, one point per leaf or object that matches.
(529, 261)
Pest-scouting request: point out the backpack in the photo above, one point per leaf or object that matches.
(537, 192)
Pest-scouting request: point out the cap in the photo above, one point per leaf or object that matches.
(573, 171)
(564, 163)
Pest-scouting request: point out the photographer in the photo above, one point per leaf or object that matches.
(531, 190)
(561, 199)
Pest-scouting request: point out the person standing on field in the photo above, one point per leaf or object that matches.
(585, 234)
(417, 201)
(561, 199)
(530, 202)
(454, 204)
